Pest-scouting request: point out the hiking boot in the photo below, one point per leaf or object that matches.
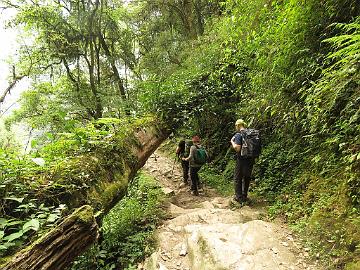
(239, 200)
(247, 201)
(195, 192)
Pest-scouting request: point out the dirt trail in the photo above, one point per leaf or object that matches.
(207, 232)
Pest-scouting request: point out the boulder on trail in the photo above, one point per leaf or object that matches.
(223, 239)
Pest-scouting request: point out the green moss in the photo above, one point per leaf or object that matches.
(202, 245)
(85, 214)
(353, 266)
(209, 260)
(129, 226)
(91, 165)
(191, 254)
(113, 190)
(4, 261)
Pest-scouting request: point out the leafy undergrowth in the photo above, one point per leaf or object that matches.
(37, 189)
(315, 192)
(324, 217)
(220, 182)
(128, 229)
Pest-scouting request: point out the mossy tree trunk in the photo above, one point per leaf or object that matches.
(58, 248)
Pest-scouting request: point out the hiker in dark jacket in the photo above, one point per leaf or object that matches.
(181, 152)
(244, 165)
(194, 167)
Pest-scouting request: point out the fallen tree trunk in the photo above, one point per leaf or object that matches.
(58, 248)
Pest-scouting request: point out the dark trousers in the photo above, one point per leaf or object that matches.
(185, 168)
(242, 177)
(194, 178)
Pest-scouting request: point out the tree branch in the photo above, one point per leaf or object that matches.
(11, 86)
(77, 87)
(113, 66)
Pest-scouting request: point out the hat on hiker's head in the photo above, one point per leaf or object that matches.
(196, 139)
(240, 122)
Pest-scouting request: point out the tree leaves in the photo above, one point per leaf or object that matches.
(14, 236)
(19, 200)
(32, 224)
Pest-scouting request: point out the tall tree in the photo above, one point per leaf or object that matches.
(72, 38)
(165, 28)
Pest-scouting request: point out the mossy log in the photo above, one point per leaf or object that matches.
(145, 142)
(108, 171)
(149, 139)
(58, 248)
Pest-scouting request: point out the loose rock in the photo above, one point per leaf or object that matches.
(183, 250)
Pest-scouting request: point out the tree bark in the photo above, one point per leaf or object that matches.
(58, 248)
(11, 86)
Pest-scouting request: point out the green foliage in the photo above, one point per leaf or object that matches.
(35, 188)
(127, 230)
(289, 68)
(313, 124)
(76, 51)
(293, 74)
(165, 31)
(7, 138)
(48, 107)
(22, 216)
(221, 182)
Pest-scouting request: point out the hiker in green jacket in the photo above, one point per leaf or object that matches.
(196, 158)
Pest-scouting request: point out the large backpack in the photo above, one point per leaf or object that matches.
(251, 143)
(200, 157)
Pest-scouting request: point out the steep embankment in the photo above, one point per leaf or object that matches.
(210, 232)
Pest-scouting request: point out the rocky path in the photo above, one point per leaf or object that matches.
(207, 232)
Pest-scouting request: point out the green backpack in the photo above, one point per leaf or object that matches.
(200, 157)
